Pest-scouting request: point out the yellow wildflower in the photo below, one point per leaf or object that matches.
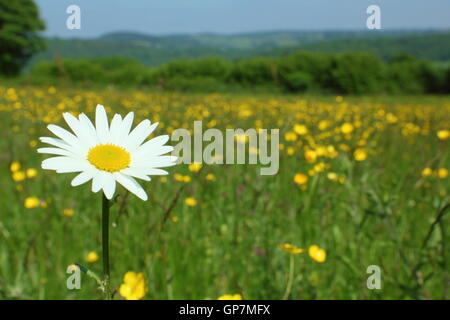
(68, 212)
(321, 151)
(190, 202)
(331, 152)
(332, 176)
(321, 166)
(92, 257)
(310, 156)
(427, 172)
(290, 136)
(324, 124)
(443, 134)
(290, 151)
(195, 167)
(31, 173)
(15, 166)
(31, 202)
(360, 154)
(300, 129)
(301, 178)
(178, 177)
(317, 254)
(230, 297)
(442, 173)
(133, 286)
(19, 176)
(347, 128)
(291, 249)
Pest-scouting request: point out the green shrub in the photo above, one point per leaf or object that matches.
(407, 74)
(316, 65)
(254, 71)
(204, 67)
(357, 73)
(298, 81)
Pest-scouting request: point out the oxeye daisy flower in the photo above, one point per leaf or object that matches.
(107, 153)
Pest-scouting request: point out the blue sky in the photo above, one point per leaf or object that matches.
(234, 16)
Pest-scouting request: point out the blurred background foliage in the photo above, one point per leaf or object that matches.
(343, 73)
(19, 23)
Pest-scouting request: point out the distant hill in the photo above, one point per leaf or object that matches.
(156, 50)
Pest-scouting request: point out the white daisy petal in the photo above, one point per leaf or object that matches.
(116, 124)
(126, 125)
(101, 124)
(154, 162)
(131, 185)
(67, 137)
(57, 151)
(160, 151)
(88, 127)
(64, 164)
(109, 185)
(152, 145)
(78, 128)
(97, 182)
(82, 178)
(138, 135)
(153, 127)
(136, 173)
(72, 168)
(73, 123)
(56, 142)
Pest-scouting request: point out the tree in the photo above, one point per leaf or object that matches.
(19, 39)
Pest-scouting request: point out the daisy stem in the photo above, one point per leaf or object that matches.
(105, 245)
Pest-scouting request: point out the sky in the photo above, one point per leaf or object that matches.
(162, 17)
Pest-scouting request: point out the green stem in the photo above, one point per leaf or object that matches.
(290, 279)
(92, 275)
(105, 246)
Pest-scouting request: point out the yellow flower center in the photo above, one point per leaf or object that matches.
(108, 157)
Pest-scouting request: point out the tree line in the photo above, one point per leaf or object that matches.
(343, 73)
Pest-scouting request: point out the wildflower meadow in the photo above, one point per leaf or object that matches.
(361, 190)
